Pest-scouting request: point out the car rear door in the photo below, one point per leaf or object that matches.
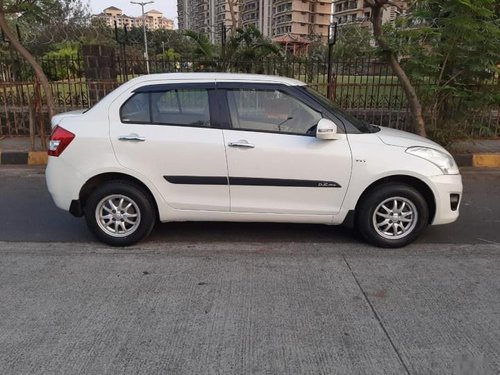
(168, 134)
(275, 162)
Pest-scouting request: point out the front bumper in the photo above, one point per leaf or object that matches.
(446, 188)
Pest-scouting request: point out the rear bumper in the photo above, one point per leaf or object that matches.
(446, 188)
(63, 183)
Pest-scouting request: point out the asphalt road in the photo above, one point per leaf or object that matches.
(32, 216)
(226, 298)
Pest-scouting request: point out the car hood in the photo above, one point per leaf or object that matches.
(399, 138)
(57, 118)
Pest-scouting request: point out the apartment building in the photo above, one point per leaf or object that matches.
(299, 18)
(291, 19)
(257, 13)
(355, 12)
(154, 19)
(206, 16)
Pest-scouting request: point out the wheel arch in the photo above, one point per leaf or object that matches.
(99, 179)
(414, 182)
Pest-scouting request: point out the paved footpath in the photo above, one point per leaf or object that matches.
(249, 308)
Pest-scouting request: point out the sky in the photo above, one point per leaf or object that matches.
(168, 7)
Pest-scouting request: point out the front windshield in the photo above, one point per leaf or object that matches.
(361, 125)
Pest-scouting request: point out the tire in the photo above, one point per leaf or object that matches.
(392, 215)
(120, 213)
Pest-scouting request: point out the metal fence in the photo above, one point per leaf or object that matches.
(366, 87)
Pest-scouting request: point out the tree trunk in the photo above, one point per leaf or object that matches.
(31, 60)
(411, 94)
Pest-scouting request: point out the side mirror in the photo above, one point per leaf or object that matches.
(326, 129)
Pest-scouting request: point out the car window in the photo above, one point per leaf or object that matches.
(136, 109)
(270, 111)
(187, 107)
(361, 125)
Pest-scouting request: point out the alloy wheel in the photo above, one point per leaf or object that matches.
(395, 218)
(118, 215)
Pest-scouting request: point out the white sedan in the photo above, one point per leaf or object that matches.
(236, 147)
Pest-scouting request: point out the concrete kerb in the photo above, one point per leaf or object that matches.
(23, 157)
(486, 160)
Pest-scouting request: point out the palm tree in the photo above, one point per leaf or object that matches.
(204, 48)
(205, 52)
(246, 48)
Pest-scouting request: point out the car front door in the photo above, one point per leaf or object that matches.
(275, 162)
(168, 134)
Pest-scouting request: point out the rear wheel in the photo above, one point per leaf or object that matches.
(120, 213)
(392, 215)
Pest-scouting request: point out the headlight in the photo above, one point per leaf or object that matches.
(441, 159)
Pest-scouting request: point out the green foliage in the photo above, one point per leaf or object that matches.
(169, 54)
(62, 62)
(46, 11)
(203, 47)
(243, 51)
(353, 41)
(451, 50)
(48, 23)
(63, 51)
(170, 39)
(246, 48)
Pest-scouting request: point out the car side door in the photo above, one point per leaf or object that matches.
(169, 134)
(275, 162)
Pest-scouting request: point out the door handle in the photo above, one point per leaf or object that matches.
(241, 144)
(131, 137)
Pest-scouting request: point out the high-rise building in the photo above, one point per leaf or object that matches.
(356, 12)
(207, 17)
(298, 18)
(283, 19)
(257, 13)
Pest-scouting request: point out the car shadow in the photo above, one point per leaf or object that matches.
(251, 232)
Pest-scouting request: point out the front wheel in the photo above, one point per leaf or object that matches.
(392, 215)
(119, 213)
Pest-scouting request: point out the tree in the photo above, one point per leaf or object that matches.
(203, 46)
(352, 41)
(36, 11)
(244, 49)
(247, 47)
(377, 9)
(170, 39)
(453, 48)
(13, 7)
(53, 65)
(41, 38)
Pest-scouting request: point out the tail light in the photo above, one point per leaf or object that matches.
(59, 140)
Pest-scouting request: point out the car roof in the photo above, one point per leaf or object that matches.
(221, 77)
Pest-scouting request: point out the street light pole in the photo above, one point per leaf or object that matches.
(146, 55)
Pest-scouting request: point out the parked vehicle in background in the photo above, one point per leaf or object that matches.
(235, 147)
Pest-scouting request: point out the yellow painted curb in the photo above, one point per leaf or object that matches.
(37, 158)
(486, 160)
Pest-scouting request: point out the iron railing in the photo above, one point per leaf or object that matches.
(366, 87)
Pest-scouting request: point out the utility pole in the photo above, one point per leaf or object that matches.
(143, 4)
